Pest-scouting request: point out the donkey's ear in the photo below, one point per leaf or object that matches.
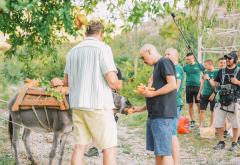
(128, 102)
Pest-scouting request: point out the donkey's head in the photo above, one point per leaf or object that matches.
(121, 103)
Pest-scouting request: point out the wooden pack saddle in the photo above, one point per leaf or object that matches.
(31, 96)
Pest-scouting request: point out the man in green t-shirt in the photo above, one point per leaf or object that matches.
(206, 93)
(173, 55)
(221, 63)
(193, 71)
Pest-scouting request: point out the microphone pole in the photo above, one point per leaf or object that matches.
(189, 48)
(186, 42)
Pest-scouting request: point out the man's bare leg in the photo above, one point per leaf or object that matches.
(78, 154)
(190, 110)
(235, 135)
(198, 107)
(175, 150)
(164, 160)
(219, 132)
(201, 118)
(109, 156)
(211, 119)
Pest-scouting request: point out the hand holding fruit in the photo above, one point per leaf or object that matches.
(131, 110)
(146, 91)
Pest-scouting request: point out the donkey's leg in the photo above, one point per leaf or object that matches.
(62, 145)
(16, 130)
(54, 147)
(25, 139)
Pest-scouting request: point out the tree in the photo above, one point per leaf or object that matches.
(36, 25)
(40, 25)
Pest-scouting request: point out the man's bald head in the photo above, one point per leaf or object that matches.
(148, 48)
(172, 54)
(149, 54)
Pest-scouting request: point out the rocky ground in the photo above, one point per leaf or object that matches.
(131, 149)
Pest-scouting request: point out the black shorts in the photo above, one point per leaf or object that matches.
(191, 92)
(204, 100)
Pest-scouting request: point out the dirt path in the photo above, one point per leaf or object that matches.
(131, 149)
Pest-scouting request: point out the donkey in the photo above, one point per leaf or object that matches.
(59, 122)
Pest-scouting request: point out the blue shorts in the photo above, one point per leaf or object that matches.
(159, 136)
(175, 121)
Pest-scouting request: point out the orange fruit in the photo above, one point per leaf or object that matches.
(130, 111)
(140, 90)
(151, 88)
(81, 20)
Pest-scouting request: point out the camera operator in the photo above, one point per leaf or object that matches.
(228, 83)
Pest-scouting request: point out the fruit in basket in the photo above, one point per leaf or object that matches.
(130, 111)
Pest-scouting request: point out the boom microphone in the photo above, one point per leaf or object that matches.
(173, 15)
(186, 42)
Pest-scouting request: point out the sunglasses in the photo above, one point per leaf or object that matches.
(228, 58)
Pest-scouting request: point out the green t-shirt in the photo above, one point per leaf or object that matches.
(193, 74)
(207, 89)
(180, 76)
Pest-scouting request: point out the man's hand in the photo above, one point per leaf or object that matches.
(147, 93)
(211, 98)
(206, 77)
(235, 81)
(65, 80)
(198, 96)
(139, 109)
(113, 81)
(119, 84)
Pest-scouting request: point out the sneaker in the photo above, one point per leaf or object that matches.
(192, 124)
(225, 134)
(219, 146)
(92, 152)
(234, 147)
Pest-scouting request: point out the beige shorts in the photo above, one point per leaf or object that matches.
(96, 125)
(221, 115)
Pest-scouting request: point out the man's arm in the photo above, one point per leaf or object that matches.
(178, 84)
(169, 87)
(140, 109)
(150, 81)
(65, 80)
(113, 81)
(213, 83)
(235, 81)
(200, 89)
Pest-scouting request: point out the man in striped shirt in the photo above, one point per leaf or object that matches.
(91, 75)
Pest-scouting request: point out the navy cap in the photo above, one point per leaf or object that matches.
(232, 54)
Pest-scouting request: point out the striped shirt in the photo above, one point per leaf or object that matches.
(86, 65)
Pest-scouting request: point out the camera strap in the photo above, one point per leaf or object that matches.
(226, 110)
(224, 74)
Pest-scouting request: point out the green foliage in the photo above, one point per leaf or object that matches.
(47, 84)
(135, 120)
(3, 6)
(89, 5)
(11, 70)
(36, 24)
(132, 80)
(7, 159)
